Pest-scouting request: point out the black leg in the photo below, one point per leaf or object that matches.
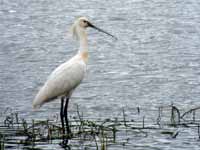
(66, 116)
(62, 116)
(64, 143)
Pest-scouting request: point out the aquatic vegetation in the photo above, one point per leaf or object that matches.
(96, 134)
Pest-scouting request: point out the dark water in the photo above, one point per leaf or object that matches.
(155, 61)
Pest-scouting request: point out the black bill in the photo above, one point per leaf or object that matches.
(93, 26)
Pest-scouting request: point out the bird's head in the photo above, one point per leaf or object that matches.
(81, 24)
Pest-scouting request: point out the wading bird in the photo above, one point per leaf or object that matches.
(66, 77)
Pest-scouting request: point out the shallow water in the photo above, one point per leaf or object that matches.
(155, 61)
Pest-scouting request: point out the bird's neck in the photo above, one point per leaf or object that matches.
(83, 49)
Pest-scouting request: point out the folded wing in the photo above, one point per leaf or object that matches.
(62, 81)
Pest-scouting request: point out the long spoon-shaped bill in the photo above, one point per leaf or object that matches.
(93, 26)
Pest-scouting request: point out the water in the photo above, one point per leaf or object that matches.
(155, 61)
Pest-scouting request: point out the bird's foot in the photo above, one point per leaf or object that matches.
(64, 144)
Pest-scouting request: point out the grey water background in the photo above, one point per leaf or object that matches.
(155, 62)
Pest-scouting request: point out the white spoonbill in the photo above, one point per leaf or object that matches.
(66, 77)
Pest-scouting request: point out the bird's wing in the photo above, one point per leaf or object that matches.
(62, 81)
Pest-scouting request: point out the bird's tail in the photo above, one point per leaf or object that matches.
(36, 105)
(43, 96)
(38, 101)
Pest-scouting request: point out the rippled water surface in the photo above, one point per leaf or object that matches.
(155, 62)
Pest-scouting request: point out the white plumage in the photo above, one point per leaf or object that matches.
(62, 81)
(66, 77)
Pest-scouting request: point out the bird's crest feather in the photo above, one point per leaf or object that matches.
(73, 31)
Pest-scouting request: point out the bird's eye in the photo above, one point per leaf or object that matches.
(84, 21)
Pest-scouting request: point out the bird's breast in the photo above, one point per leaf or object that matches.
(84, 56)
